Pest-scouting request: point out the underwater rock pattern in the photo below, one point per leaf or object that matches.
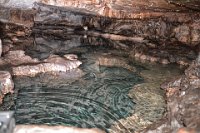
(149, 98)
(109, 60)
(6, 84)
(97, 99)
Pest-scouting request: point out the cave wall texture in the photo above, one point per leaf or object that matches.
(174, 21)
(150, 24)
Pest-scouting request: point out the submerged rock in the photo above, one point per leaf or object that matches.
(114, 61)
(149, 98)
(6, 84)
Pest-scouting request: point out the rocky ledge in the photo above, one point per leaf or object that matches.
(183, 103)
(18, 64)
(21, 64)
(160, 30)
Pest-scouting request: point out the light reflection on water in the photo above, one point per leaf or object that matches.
(97, 99)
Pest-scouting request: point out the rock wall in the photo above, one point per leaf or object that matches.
(156, 21)
(152, 25)
(183, 103)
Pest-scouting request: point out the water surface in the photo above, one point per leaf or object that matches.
(97, 99)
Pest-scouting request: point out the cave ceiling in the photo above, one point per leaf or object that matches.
(115, 8)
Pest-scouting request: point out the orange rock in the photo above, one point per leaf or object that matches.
(186, 130)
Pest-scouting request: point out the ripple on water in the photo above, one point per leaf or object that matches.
(97, 99)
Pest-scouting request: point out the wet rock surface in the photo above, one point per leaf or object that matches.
(49, 46)
(182, 103)
(165, 31)
(109, 60)
(53, 63)
(150, 108)
(6, 84)
(94, 100)
(50, 129)
(22, 64)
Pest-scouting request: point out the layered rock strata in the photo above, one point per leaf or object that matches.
(175, 24)
(163, 23)
(155, 29)
(158, 37)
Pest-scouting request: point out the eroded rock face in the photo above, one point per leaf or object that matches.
(6, 84)
(189, 35)
(165, 54)
(153, 20)
(183, 102)
(119, 8)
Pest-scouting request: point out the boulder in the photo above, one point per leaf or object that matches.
(54, 63)
(6, 84)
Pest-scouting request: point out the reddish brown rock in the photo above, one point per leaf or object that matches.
(186, 130)
(123, 9)
(153, 20)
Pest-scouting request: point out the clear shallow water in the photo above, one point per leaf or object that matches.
(97, 99)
